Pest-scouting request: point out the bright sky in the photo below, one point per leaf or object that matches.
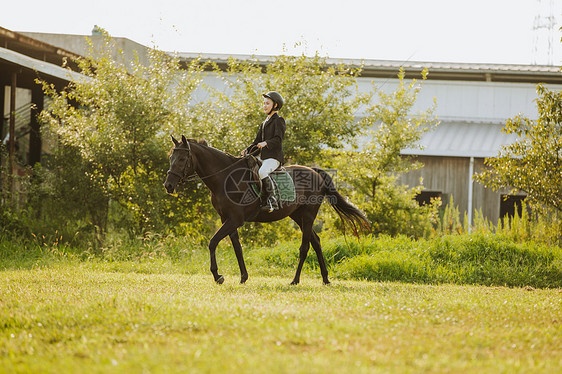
(475, 31)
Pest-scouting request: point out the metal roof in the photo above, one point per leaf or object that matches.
(37, 45)
(43, 67)
(463, 139)
(36, 49)
(413, 69)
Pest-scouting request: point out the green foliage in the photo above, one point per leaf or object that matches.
(110, 139)
(369, 177)
(450, 220)
(534, 225)
(532, 164)
(11, 224)
(467, 259)
(119, 122)
(320, 103)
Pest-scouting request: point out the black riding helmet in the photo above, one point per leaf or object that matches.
(276, 98)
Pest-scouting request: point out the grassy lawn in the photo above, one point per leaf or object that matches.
(88, 316)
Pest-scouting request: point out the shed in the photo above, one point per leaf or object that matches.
(22, 61)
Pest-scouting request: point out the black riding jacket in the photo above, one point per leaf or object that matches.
(272, 132)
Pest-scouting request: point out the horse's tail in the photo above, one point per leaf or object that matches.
(348, 212)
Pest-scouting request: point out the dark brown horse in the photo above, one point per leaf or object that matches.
(229, 179)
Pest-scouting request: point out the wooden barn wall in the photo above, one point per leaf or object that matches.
(450, 176)
(485, 199)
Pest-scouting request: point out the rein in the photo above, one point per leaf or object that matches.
(194, 176)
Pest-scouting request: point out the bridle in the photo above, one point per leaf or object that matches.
(187, 165)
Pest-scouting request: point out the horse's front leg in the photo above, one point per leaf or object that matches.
(227, 228)
(235, 239)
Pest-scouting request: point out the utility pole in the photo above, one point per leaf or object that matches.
(544, 27)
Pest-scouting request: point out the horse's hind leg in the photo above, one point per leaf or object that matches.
(315, 241)
(235, 239)
(303, 251)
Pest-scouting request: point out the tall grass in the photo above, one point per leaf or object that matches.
(536, 225)
(460, 259)
(478, 258)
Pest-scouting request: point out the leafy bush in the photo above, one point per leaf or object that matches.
(118, 123)
(369, 177)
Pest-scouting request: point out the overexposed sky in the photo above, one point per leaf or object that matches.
(475, 31)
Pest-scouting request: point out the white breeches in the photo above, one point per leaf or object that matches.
(267, 166)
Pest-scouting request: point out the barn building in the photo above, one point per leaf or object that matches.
(23, 60)
(473, 103)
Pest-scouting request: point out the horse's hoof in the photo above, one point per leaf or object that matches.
(294, 283)
(327, 283)
(243, 279)
(220, 279)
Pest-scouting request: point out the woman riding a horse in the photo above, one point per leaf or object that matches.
(224, 176)
(269, 140)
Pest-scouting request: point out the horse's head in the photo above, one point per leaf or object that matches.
(181, 164)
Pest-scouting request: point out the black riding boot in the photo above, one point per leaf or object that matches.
(269, 202)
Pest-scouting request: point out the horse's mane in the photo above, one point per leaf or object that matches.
(204, 143)
(198, 141)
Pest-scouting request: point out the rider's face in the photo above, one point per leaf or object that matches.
(267, 104)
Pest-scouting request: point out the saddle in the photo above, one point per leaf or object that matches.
(284, 185)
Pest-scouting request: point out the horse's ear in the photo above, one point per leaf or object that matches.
(175, 141)
(184, 140)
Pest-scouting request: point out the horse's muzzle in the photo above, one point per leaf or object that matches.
(169, 187)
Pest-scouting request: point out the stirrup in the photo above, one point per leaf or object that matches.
(269, 205)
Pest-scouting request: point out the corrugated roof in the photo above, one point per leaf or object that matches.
(455, 66)
(437, 70)
(223, 57)
(461, 139)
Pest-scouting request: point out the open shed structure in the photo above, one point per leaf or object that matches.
(24, 60)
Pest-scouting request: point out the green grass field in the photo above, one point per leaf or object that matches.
(155, 316)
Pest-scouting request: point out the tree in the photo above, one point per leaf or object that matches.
(320, 104)
(371, 174)
(117, 125)
(119, 121)
(533, 163)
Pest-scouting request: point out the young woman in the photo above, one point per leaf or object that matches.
(270, 140)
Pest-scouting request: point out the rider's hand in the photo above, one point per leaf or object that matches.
(262, 144)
